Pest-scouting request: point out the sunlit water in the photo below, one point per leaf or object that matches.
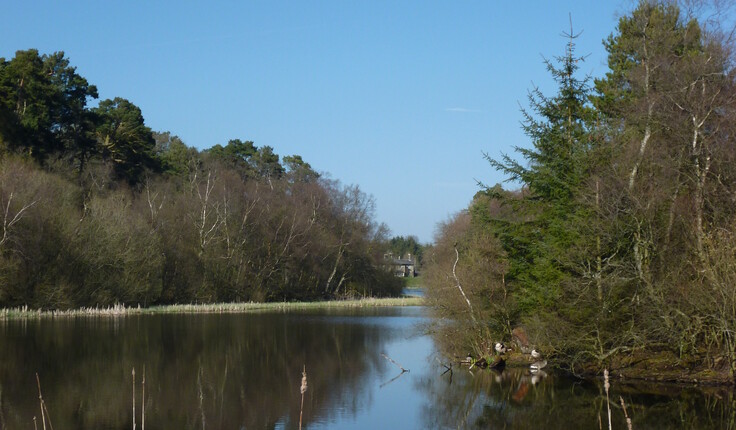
(244, 372)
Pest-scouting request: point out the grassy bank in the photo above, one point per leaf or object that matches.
(413, 283)
(120, 310)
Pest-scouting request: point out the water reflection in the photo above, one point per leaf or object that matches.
(520, 399)
(244, 372)
(202, 371)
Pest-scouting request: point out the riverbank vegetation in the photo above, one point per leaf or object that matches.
(97, 209)
(210, 308)
(619, 244)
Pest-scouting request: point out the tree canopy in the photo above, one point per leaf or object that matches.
(99, 209)
(620, 236)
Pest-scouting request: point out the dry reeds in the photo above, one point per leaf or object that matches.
(606, 385)
(626, 414)
(120, 310)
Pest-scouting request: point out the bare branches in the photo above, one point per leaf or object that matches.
(9, 220)
(459, 287)
(153, 205)
(207, 224)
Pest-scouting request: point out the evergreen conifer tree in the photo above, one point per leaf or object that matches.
(557, 164)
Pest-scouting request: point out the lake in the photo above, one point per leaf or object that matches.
(244, 371)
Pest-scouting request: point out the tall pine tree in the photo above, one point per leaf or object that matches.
(555, 168)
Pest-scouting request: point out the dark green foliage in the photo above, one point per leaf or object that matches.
(402, 246)
(266, 164)
(557, 167)
(176, 158)
(124, 139)
(642, 55)
(237, 154)
(298, 170)
(43, 106)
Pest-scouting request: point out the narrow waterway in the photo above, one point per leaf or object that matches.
(244, 371)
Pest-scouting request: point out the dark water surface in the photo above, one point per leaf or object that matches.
(243, 371)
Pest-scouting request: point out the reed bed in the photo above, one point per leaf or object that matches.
(119, 310)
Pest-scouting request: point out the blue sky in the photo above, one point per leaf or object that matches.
(400, 97)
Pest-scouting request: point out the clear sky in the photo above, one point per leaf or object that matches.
(399, 97)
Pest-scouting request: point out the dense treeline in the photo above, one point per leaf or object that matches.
(405, 246)
(620, 243)
(97, 209)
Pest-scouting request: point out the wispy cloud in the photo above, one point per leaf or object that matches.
(454, 184)
(463, 110)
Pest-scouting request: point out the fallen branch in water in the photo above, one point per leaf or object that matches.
(391, 360)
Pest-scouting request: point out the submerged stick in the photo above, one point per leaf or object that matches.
(134, 398)
(201, 396)
(222, 393)
(397, 364)
(2, 416)
(143, 401)
(41, 404)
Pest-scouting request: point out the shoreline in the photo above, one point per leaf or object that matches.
(648, 369)
(25, 313)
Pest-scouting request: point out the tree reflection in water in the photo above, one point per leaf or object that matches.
(519, 399)
(211, 371)
(244, 371)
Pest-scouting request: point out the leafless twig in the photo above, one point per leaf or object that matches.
(393, 361)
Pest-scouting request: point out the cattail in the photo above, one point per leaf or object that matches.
(303, 390)
(304, 380)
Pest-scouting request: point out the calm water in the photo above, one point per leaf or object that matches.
(244, 372)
